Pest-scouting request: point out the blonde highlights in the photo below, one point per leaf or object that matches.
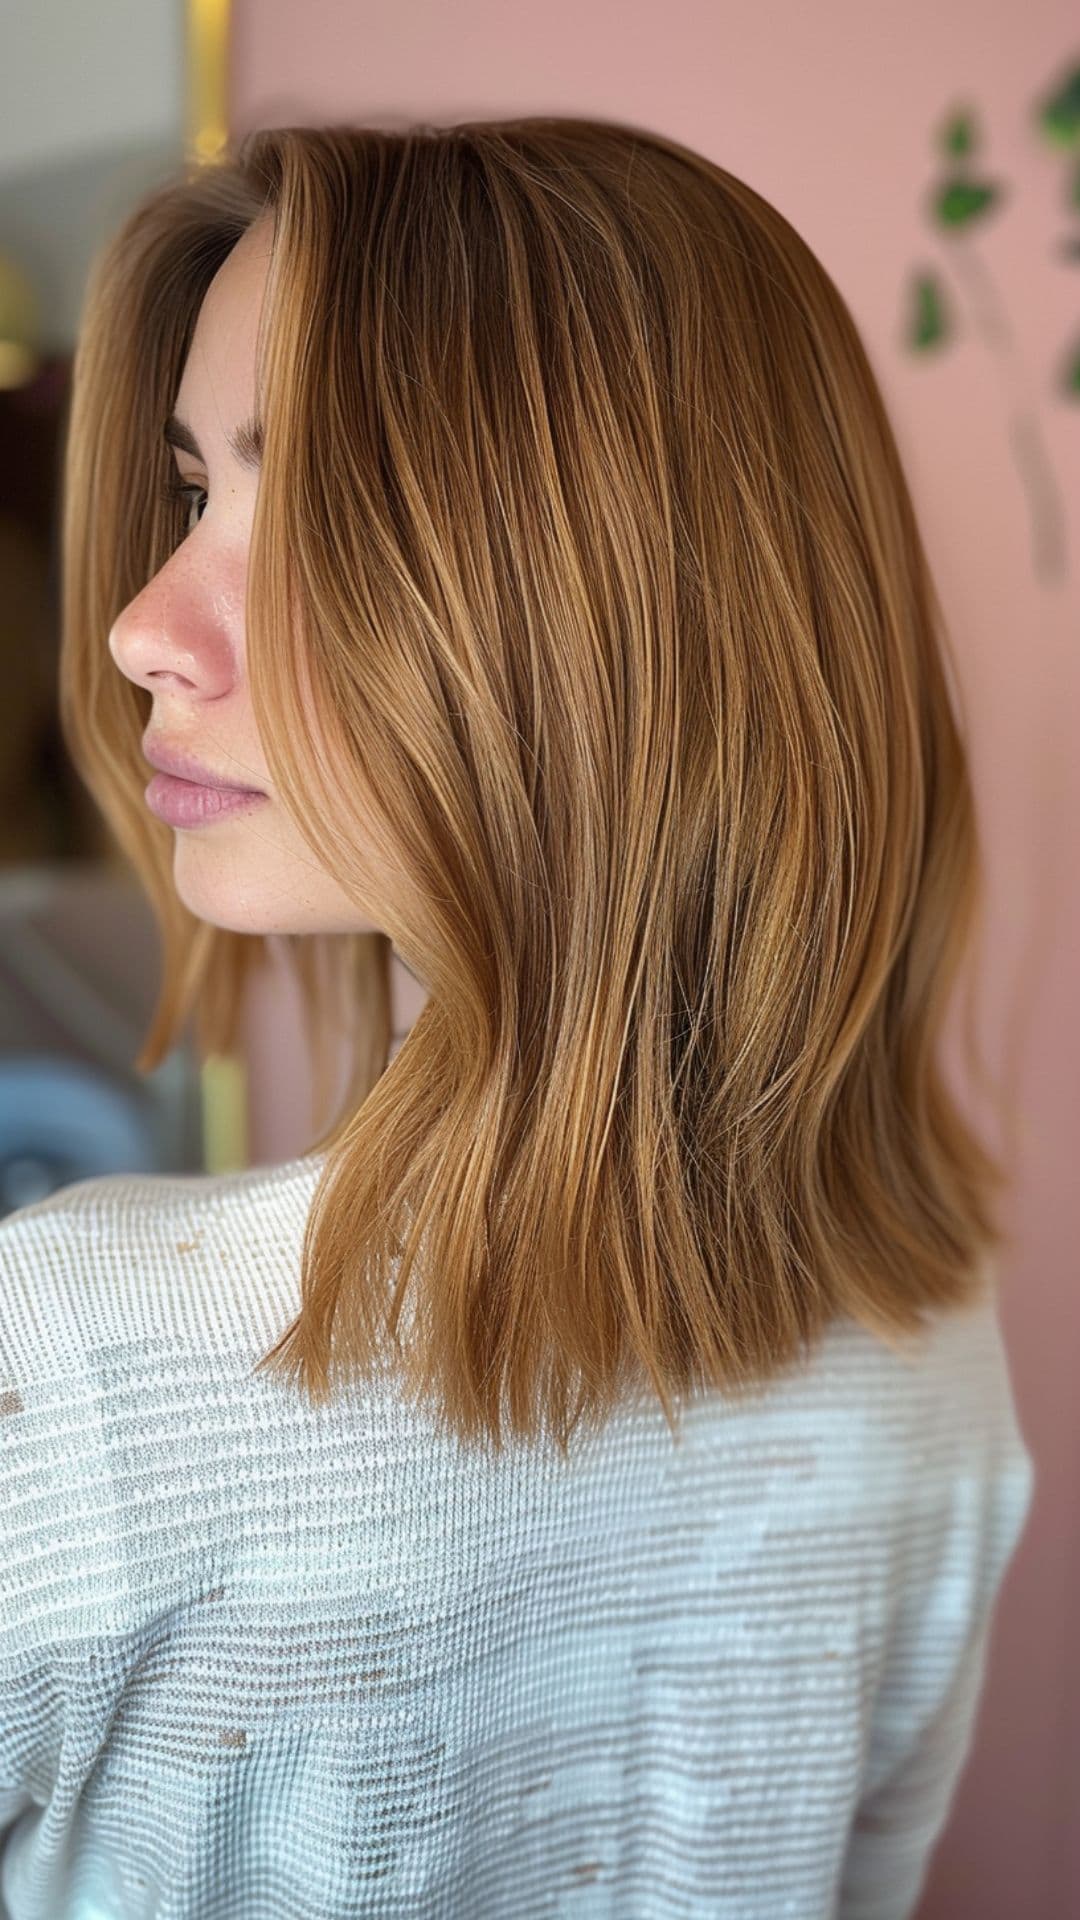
(582, 544)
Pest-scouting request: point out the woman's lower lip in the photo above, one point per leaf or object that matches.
(180, 803)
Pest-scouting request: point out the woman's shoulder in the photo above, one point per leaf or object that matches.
(865, 1425)
(96, 1259)
(107, 1196)
(937, 1397)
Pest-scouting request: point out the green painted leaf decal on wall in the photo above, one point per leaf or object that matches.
(958, 202)
(1058, 116)
(959, 135)
(928, 324)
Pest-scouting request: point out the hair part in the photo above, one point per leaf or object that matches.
(583, 541)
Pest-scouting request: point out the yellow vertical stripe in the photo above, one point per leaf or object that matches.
(224, 1085)
(207, 77)
(223, 1079)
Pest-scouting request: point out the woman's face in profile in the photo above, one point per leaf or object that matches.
(245, 867)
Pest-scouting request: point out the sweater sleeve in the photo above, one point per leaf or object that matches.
(898, 1822)
(38, 1487)
(28, 1695)
(924, 1713)
(14, 1801)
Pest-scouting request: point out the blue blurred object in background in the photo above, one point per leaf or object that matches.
(59, 1122)
(79, 968)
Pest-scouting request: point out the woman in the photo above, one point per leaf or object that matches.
(582, 1483)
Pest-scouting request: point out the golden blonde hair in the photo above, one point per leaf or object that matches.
(583, 538)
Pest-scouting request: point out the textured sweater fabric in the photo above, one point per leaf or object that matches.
(266, 1661)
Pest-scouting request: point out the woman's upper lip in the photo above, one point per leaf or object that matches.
(173, 760)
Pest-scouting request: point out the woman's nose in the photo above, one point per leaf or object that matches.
(168, 636)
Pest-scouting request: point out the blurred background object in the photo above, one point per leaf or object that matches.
(79, 958)
(78, 973)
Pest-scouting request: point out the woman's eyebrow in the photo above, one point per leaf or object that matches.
(245, 445)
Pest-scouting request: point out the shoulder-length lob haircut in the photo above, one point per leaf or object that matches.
(583, 539)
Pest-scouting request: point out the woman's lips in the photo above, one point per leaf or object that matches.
(180, 803)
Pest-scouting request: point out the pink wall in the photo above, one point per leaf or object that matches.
(832, 113)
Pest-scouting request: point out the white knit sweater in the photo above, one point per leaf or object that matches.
(262, 1661)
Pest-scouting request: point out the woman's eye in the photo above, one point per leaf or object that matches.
(185, 491)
